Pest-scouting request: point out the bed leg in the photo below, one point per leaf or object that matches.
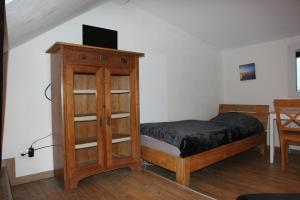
(183, 171)
(262, 149)
(263, 146)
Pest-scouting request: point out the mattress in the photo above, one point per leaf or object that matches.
(194, 136)
(159, 145)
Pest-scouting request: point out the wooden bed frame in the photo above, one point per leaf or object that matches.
(184, 166)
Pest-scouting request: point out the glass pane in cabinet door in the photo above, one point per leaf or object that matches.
(85, 119)
(120, 116)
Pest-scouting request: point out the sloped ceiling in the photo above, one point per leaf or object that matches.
(27, 19)
(230, 23)
(225, 24)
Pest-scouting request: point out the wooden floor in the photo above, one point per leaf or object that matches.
(120, 184)
(5, 192)
(249, 172)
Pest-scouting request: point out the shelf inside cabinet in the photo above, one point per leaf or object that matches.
(86, 156)
(120, 115)
(118, 137)
(119, 156)
(86, 145)
(86, 140)
(84, 91)
(87, 163)
(120, 91)
(82, 118)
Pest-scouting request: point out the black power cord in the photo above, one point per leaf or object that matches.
(45, 92)
(40, 139)
(31, 149)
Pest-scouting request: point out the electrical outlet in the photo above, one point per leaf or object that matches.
(30, 152)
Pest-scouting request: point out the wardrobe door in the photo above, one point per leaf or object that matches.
(85, 141)
(121, 116)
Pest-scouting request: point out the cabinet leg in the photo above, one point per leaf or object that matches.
(72, 184)
(136, 166)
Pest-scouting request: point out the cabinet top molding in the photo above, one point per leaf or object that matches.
(59, 45)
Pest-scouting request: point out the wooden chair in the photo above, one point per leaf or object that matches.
(288, 124)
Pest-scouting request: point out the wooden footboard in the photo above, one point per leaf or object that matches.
(184, 166)
(212, 156)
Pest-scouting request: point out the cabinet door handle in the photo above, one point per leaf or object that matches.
(108, 121)
(100, 122)
(123, 61)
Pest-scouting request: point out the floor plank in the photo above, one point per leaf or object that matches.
(122, 184)
(248, 172)
(5, 192)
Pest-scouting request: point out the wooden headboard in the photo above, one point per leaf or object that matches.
(260, 112)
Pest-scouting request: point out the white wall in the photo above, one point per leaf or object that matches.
(194, 89)
(179, 77)
(271, 73)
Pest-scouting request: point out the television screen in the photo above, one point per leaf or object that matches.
(99, 37)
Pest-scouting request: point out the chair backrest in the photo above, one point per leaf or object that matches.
(287, 115)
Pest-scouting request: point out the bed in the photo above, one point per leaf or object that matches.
(180, 157)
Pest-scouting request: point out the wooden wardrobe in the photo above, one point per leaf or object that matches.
(95, 110)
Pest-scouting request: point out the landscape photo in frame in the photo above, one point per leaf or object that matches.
(247, 72)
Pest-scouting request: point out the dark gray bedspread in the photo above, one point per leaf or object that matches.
(195, 136)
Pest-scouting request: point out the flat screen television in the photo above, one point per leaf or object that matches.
(99, 37)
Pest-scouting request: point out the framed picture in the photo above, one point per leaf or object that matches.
(247, 72)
